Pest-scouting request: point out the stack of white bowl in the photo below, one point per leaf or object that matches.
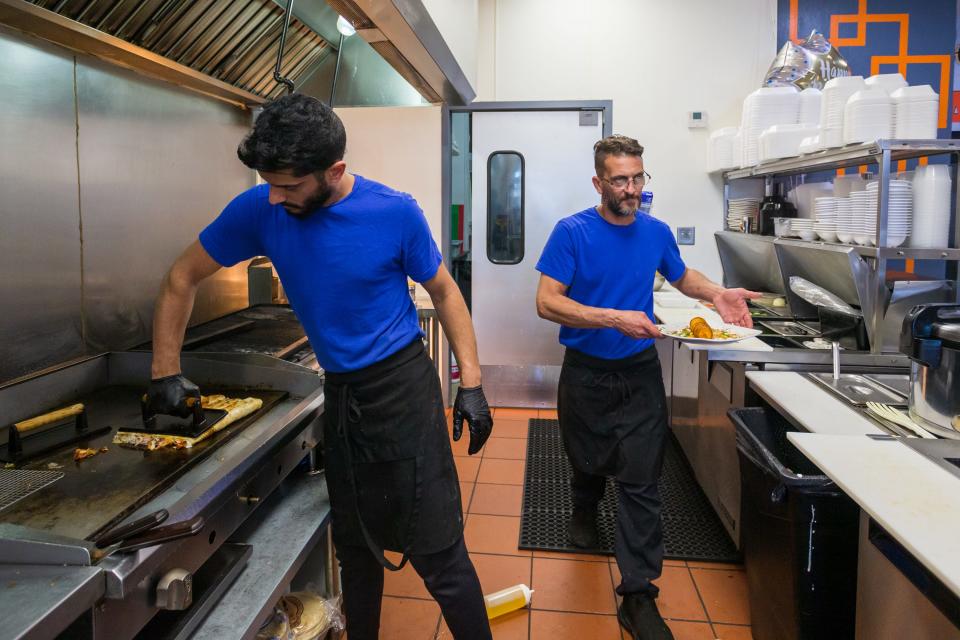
(915, 112)
(762, 109)
(899, 212)
(739, 209)
(835, 95)
(845, 223)
(802, 228)
(783, 140)
(889, 82)
(932, 188)
(825, 224)
(863, 209)
(720, 149)
(810, 102)
(868, 116)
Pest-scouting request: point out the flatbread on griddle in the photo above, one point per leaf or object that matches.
(236, 408)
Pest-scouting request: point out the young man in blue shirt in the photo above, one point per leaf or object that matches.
(344, 247)
(597, 272)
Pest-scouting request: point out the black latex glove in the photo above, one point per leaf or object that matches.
(168, 395)
(471, 405)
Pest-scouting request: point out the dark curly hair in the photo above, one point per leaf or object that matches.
(294, 132)
(615, 145)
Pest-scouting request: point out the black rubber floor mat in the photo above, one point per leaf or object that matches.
(691, 530)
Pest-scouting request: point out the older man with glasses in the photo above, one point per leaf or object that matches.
(597, 272)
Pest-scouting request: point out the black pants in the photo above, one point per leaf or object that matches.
(638, 544)
(449, 576)
(613, 420)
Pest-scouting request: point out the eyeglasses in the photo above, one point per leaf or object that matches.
(621, 182)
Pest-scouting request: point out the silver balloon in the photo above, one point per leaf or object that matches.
(808, 63)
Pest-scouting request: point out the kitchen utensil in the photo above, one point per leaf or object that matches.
(930, 337)
(897, 417)
(200, 420)
(855, 389)
(53, 430)
(150, 535)
(774, 206)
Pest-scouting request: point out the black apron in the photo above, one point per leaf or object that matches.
(613, 416)
(390, 471)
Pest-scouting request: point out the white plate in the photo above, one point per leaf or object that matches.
(742, 332)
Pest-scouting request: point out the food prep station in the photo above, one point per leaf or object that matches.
(899, 352)
(250, 502)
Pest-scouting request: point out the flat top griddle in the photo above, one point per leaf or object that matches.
(267, 329)
(96, 493)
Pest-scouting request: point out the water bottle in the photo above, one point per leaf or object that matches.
(646, 202)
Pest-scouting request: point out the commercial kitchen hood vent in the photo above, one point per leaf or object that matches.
(234, 42)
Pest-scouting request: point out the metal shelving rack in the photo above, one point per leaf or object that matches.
(883, 153)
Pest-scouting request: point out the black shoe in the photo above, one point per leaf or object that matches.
(582, 531)
(639, 615)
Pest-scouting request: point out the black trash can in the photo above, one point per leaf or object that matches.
(799, 536)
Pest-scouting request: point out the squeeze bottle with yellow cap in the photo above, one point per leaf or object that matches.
(507, 600)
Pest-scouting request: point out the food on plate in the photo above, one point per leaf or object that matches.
(779, 302)
(700, 328)
(236, 409)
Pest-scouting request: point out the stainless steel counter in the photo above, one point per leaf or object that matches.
(40, 602)
(702, 385)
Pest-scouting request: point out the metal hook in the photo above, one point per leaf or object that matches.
(287, 82)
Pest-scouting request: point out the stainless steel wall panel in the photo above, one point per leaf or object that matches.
(157, 164)
(40, 319)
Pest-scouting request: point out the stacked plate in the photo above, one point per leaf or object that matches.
(835, 95)
(845, 223)
(720, 149)
(825, 213)
(932, 191)
(803, 228)
(899, 213)
(889, 82)
(740, 209)
(868, 116)
(915, 111)
(761, 110)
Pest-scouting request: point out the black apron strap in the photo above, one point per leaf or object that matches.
(348, 408)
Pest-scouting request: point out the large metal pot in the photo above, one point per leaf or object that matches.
(931, 338)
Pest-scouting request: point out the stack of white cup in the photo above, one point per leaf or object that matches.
(932, 188)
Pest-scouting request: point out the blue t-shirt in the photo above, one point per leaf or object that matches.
(344, 267)
(609, 266)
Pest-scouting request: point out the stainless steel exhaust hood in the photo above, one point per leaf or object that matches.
(227, 49)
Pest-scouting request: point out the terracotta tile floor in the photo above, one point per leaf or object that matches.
(574, 597)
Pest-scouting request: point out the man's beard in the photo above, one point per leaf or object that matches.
(314, 202)
(616, 204)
